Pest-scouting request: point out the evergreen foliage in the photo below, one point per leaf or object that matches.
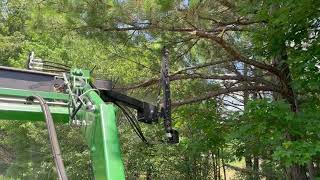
(244, 77)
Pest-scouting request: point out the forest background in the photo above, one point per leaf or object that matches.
(244, 78)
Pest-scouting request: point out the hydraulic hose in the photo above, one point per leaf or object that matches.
(53, 138)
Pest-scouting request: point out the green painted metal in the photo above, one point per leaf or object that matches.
(100, 131)
(77, 75)
(102, 137)
(28, 112)
(25, 93)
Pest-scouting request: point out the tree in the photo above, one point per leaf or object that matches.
(222, 53)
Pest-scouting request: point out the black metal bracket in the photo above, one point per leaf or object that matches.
(147, 112)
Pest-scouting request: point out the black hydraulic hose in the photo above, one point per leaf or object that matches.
(53, 138)
(74, 113)
(133, 124)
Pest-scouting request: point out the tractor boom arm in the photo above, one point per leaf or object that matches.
(100, 128)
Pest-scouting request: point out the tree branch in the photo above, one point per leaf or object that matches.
(233, 106)
(152, 27)
(209, 34)
(176, 77)
(218, 92)
(199, 66)
(236, 54)
(238, 22)
(189, 48)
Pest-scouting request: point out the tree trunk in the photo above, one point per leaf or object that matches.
(223, 166)
(218, 164)
(247, 157)
(256, 167)
(312, 173)
(188, 162)
(214, 166)
(295, 172)
(207, 166)
(250, 171)
(149, 175)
